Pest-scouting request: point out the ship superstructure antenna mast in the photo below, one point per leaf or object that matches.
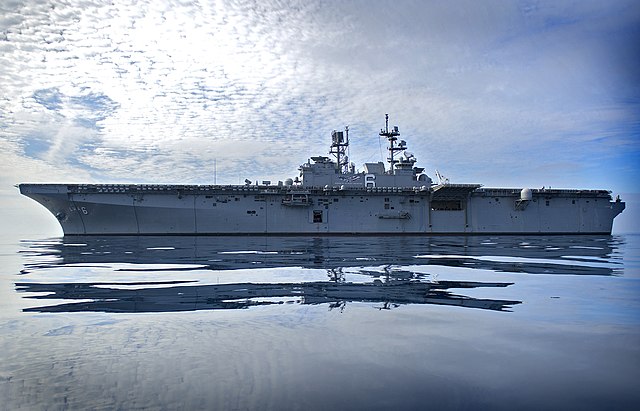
(339, 145)
(392, 136)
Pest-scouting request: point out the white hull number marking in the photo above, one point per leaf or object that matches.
(369, 180)
(82, 210)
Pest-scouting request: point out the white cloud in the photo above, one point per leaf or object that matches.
(484, 91)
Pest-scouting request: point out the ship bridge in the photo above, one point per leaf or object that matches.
(323, 171)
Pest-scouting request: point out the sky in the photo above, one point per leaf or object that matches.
(500, 93)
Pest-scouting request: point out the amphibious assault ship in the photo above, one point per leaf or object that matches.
(328, 197)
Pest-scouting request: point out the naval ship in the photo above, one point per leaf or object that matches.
(328, 197)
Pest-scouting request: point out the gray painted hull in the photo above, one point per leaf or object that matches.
(240, 210)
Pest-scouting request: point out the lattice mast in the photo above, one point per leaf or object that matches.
(392, 136)
(339, 145)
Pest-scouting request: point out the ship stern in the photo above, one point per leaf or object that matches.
(618, 207)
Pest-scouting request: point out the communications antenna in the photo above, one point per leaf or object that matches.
(339, 145)
(392, 136)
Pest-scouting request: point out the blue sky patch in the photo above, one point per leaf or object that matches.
(50, 98)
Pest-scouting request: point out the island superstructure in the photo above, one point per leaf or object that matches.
(328, 197)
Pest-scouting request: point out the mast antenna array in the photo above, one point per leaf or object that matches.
(392, 136)
(339, 145)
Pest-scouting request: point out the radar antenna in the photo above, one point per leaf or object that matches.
(339, 145)
(392, 136)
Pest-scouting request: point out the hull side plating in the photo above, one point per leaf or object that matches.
(224, 210)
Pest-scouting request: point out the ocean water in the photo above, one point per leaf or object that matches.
(270, 323)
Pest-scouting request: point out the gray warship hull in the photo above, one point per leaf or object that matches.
(330, 198)
(99, 209)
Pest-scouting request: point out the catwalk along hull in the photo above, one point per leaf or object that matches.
(297, 210)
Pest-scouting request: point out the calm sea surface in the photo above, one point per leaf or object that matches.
(320, 323)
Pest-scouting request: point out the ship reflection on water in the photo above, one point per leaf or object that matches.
(239, 296)
(164, 274)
